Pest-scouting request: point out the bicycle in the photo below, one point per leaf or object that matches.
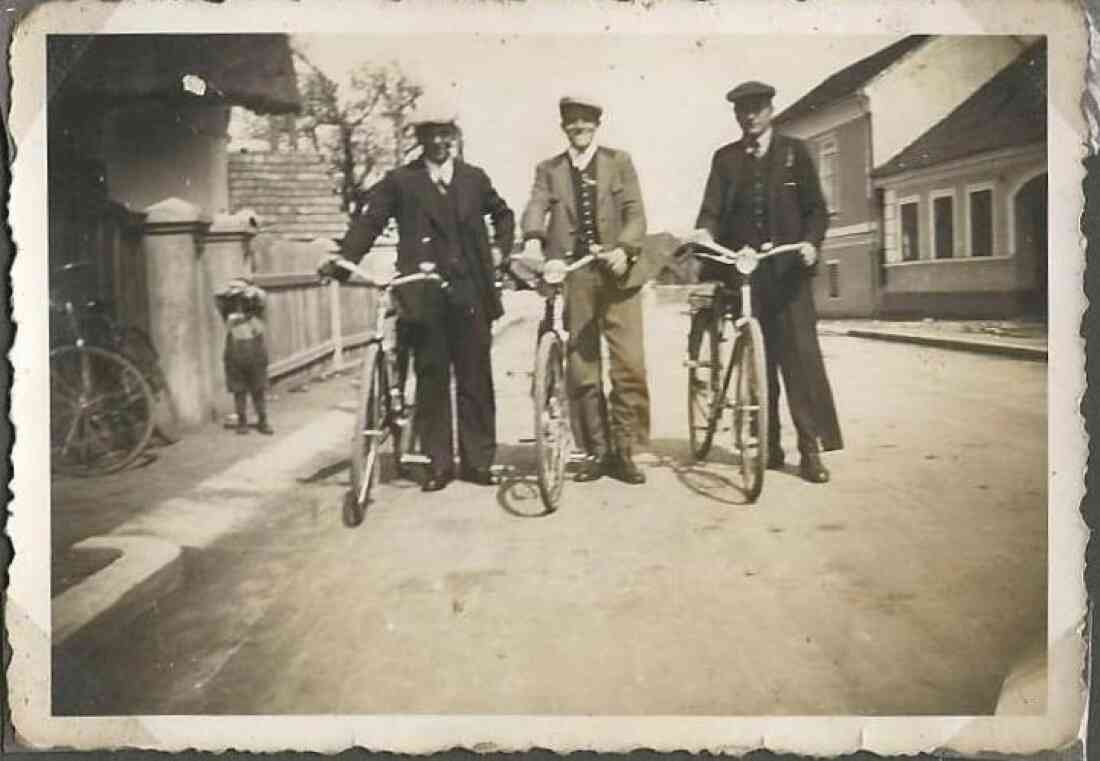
(710, 373)
(553, 434)
(386, 409)
(98, 327)
(101, 404)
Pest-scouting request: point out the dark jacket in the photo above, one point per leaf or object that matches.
(796, 212)
(796, 205)
(428, 229)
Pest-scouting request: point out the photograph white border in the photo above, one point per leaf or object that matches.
(28, 605)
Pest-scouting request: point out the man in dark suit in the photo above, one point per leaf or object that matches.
(440, 203)
(584, 197)
(764, 188)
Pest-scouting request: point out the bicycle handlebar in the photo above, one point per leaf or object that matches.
(745, 260)
(392, 282)
(554, 271)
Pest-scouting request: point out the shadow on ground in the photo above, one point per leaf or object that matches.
(718, 478)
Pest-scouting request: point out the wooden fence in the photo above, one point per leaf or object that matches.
(310, 324)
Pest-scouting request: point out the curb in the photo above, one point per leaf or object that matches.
(148, 569)
(151, 563)
(1013, 351)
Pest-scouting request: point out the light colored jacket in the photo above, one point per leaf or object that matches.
(551, 213)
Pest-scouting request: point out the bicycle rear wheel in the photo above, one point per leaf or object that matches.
(750, 408)
(552, 433)
(704, 379)
(101, 411)
(367, 436)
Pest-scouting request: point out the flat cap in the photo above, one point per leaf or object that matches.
(579, 101)
(750, 89)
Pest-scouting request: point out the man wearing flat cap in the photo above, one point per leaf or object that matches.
(762, 189)
(440, 203)
(585, 197)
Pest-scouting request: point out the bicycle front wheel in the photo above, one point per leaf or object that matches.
(750, 408)
(101, 411)
(552, 434)
(367, 436)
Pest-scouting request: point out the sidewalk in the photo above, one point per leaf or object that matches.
(1019, 339)
(116, 541)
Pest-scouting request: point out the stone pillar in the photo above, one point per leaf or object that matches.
(226, 255)
(173, 237)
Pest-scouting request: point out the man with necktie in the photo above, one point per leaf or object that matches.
(440, 203)
(584, 198)
(764, 188)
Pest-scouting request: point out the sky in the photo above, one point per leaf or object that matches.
(663, 96)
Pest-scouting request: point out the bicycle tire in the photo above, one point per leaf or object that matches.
(704, 374)
(365, 442)
(551, 408)
(750, 409)
(131, 442)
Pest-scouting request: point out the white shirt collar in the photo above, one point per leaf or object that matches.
(764, 142)
(441, 172)
(581, 159)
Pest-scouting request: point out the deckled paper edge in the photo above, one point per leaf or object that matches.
(28, 602)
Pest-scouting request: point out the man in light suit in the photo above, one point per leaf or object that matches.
(584, 197)
(440, 203)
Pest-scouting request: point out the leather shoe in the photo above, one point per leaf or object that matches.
(626, 471)
(776, 459)
(813, 470)
(481, 476)
(593, 469)
(436, 482)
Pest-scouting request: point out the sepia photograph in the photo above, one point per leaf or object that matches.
(431, 366)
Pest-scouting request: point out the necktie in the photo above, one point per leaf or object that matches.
(752, 147)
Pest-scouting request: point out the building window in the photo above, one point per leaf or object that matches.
(833, 268)
(943, 224)
(980, 220)
(910, 231)
(829, 172)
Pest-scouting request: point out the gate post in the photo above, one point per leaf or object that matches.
(173, 239)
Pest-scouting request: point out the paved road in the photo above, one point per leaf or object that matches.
(909, 585)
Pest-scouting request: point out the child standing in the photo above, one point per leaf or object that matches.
(242, 307)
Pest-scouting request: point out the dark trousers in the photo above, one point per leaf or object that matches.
(594, 305)
(458, 337)
(782, 357)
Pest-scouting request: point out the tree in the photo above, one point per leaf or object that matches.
(360, 128)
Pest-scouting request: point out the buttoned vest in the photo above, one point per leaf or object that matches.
(750, 223)
(584, 191)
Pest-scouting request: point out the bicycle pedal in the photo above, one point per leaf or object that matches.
(415, 459)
